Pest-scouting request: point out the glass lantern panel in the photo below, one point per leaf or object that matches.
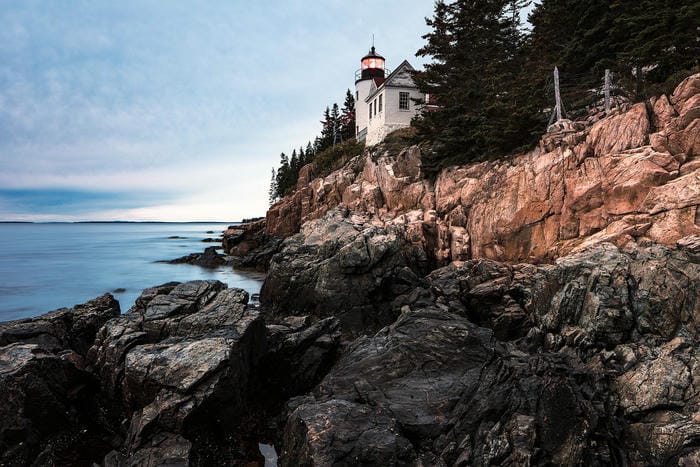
(372, 63)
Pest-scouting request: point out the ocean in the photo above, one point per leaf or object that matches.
(48, 266)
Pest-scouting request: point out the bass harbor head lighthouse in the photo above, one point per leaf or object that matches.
(383, 103)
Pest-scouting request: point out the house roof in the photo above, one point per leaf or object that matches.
(393, 80)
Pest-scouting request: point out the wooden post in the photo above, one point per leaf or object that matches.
(607, 90)
(557, 96)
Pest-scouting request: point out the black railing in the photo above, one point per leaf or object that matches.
(358, 73)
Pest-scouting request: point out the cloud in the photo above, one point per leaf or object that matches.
(171, 99)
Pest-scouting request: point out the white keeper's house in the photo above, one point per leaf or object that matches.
(383, 103)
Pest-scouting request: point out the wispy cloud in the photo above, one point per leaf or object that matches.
(190, 102)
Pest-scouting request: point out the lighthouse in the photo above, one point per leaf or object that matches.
(383, 103)
(370, 75)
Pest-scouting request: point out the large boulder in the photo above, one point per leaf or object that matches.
(65, 328)
(179, 367)
(49, 413)
(343, 266)
(300, 353)
(434, 389)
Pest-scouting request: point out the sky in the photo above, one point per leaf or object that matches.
(174, 110)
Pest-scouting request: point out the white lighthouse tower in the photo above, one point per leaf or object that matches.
(370, 76)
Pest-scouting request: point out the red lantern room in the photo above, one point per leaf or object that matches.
(372, 66)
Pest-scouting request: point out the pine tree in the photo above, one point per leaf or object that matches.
(309, 153)
(302, 157)
(347, 117)
(335, 125)
(283, 176)
(655, 40)
(325, 140)
(476, 51)
(294, 162)
(508, 109)
(273, 187)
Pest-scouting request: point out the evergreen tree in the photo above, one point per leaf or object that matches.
(335, 125)
(294, 161)
(309, 153)
(476, 47)
(575, 37)
(347, 117)
(509, 111)
(273, 187)
(325, 140)
(302, 157)
(283, 176)
(655, 40)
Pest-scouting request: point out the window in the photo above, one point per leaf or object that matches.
(370, 111)
(380, 103)
(375, 107)
(403, 101)
(357, 95)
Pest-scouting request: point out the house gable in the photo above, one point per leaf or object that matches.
(399, 78)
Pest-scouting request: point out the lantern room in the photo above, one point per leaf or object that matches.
(372, 66)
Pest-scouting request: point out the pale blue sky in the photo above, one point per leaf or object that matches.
(173, 110)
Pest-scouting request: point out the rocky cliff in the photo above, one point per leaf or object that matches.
(630, 175)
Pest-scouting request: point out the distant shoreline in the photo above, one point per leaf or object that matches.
(121, 222)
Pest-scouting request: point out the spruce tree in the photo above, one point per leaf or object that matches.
(309, 152)
(335, 125)
(283, 176)
(325, 140)
(476, 51)
(294, 163)
(655, 41)
(302, 157)
(273, 187)
(347, 117)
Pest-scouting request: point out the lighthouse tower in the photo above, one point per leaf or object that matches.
(368, 78)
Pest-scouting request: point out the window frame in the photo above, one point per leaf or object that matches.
(407, 95)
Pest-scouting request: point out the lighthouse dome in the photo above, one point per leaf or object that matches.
(372, 65)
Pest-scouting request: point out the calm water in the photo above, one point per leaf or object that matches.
(49, 266)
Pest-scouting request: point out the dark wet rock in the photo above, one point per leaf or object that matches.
(48, 411)
(345, 267)
(179, 367)
(593, 300)
(300, 353)
(66, 328)
(119, 290)
(47, 408)
(209, 259)
(434, 389)
(660, 400)
(259, 258)
(249, 246)
(212, 240)
(591, 360)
